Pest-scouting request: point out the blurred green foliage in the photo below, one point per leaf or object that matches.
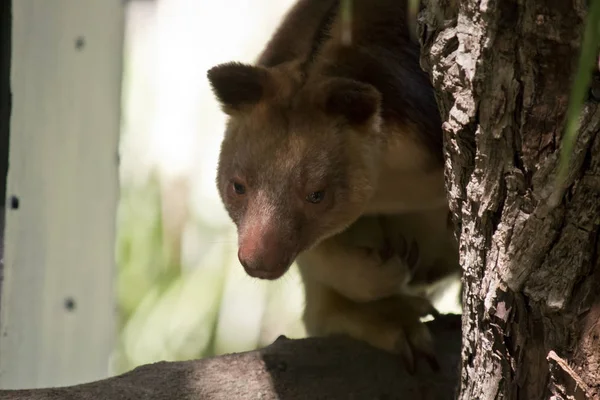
(165, 312)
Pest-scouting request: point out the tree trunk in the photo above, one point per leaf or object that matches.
(502, 70)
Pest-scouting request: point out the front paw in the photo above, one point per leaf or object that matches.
(398, 259)
(378, 277)
(399, 317)
(407, 250)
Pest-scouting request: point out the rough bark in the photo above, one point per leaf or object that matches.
(304, 369)
(502, 70)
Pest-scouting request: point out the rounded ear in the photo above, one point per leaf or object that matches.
(237, 85)
(359, 103)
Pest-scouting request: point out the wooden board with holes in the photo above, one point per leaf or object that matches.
(57, 315)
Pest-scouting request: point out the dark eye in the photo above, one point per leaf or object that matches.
(239, 188)
(316, 197)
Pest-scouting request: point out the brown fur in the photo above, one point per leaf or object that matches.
(357, 129)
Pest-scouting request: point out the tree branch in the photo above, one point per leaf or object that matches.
(313, 368)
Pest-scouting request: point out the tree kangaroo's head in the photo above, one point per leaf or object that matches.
(298, 163)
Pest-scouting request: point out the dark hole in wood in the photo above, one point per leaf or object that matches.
(70, 304)
(80, 43)
(14, 202)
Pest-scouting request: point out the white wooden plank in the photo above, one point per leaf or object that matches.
(66, 75)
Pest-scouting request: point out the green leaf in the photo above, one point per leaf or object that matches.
(587, 62)
(346, 12)
(411, 16)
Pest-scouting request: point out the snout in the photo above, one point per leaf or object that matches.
(265, 254)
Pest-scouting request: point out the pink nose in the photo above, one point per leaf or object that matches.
(261, 254)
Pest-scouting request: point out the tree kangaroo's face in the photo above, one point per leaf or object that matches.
(293, 172)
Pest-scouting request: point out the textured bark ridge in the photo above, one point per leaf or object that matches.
(306, 369)
(502, 70)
